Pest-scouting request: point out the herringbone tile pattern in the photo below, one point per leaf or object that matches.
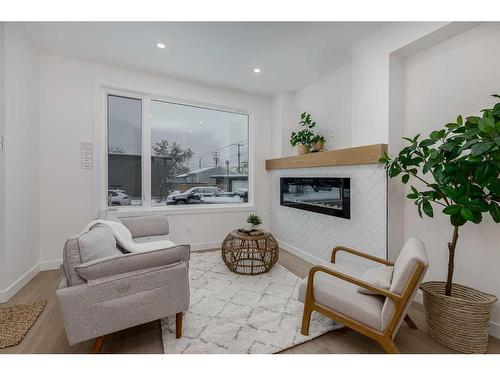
(316, 234)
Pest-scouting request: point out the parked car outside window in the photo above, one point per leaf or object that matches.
(118, 198)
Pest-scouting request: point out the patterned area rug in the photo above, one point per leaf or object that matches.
(238, 314)
(16, 320)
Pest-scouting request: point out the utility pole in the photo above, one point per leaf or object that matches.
(227, 174)
(199, 163)
(239, 158)
(216, 157)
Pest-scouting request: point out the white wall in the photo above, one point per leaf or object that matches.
(21, 252)
(455, 77)
(328, 100)
(67, 198)
(370, 78)
(283, 119)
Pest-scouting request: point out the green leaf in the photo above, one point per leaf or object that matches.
(486, 125)
(452, 125)
(494, 187)
(457, 220)
(480, 148)
(473, 119)
(448, 191)
(449, 146)
(426, 168)
(435, 135)
(412, 196)
(467, 214)
(427, 207)
(394, 170)
(427, 143)
(495, 211)
(451, 210)
(405, 178)
(460, 120)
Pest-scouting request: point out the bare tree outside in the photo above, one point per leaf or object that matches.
(171, 161)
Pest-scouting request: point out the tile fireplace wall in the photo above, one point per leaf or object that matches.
(313, 235)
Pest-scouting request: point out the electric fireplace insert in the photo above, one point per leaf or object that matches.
(325, 195)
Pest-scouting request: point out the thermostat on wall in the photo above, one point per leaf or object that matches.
(86, 155)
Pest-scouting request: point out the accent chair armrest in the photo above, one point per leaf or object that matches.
(125, 263)
(353, 280)
(361, 254)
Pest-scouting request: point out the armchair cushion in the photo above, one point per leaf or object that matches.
(343, 297)
(380, 276)
(124, 263)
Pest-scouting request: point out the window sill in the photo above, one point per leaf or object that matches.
(173, 210)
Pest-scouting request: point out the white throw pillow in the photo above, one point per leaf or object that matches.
(380, 276)
(121, 231)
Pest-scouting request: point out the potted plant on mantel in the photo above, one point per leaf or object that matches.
(459, 167)
(305, 139)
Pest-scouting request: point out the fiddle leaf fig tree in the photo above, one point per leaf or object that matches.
(458, 167)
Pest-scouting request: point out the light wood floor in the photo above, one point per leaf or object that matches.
(47, 334)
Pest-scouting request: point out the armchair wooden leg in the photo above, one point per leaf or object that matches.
(99, 341)
(410, 322)
(389, 346)
(306, 320)
(178, 325)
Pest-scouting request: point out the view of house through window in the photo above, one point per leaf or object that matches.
(124, 151)
(198, 155)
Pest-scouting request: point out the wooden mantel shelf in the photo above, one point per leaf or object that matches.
(345, 156)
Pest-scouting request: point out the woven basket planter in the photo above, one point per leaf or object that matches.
(460, 322)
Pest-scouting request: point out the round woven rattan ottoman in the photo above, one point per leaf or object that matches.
(250, 253)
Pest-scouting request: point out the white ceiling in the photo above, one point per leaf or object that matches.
(220, 54)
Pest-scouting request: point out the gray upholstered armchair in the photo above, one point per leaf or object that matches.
(104, 290)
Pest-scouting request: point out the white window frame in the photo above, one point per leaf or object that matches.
(100, 140)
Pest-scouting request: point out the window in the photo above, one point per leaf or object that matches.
(182, 155)
(124, 151)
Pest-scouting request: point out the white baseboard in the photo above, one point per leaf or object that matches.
(50, 265)
(16, 286)
(495, 330)
(206, 246)
(301, 254)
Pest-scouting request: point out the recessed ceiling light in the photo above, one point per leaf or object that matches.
(183, 137)
(160, 45)
(256, 70)
(190, 131)
(201, 122)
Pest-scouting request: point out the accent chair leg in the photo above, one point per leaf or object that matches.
(306, 320)
(389, 346)
(178, 325)
(410, 322)
(99, 341)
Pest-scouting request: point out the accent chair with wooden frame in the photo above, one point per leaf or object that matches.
(331, 290)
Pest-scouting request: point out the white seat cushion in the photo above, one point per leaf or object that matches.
(343, 297)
